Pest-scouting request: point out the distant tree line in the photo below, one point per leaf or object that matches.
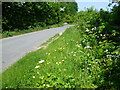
(23, 15)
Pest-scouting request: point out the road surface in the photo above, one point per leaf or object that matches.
(14, 48)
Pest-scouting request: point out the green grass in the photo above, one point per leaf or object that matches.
(18, 32)
(79, 58)
(64, 66)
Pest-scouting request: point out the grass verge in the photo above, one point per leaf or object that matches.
(77, 59)
(65, 65)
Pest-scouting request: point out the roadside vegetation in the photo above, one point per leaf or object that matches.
(18, 32)
(84, 56)
(23, 17)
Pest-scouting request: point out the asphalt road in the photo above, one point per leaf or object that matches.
(14, 48)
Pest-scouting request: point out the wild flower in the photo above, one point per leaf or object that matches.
(57, 63)
(78, 45)
(63, 60)
(60, 33)
(74, 54)
(106, 50)
(47, 85)
(94, 28)
(97, 36)
(37, 72)
(87, 47)
(37, 66)
(41, 61)
(104, 35)
(33, 77)
(100, 34)
(87, 30)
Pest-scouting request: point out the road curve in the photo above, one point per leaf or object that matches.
(14, 48)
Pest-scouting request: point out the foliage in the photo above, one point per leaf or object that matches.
(18, 32)
(85, 56)
(22, 15)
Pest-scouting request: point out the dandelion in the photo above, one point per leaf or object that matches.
(41, 61)
(37, 66)
(33, 76)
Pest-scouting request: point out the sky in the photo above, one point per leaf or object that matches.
(98, 4)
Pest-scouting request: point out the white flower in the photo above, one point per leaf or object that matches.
(87, 30)
(100, 34)
(104, 35)
(33, 76)
(65, 23)
(92, 28)
(37, 66)
(87, 47)
(62, 9)
(41, 61)
(106, 50)
(74, 54)
(60, 33)
(97, 36)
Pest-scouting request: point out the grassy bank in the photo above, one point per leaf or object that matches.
(18, 32)
(62, 66)
(84, 56)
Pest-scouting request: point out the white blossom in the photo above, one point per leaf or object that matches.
(37, 66)
(87, 30)
(41, 61)
(87, 47)
(60, 33)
